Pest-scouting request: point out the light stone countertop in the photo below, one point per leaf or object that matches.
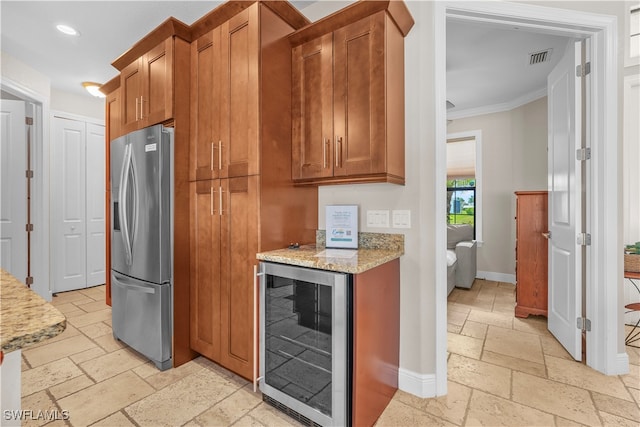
(25, 317)
(374, 249)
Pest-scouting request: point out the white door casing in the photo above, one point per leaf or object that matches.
(95, 205)
(565, 214)
(13, 188)
(68, 213)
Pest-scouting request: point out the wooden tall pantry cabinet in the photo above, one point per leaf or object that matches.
(242, 198)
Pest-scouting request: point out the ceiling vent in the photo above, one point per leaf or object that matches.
(539, 57)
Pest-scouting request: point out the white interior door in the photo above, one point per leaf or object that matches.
(13, 188)
(565, 272)
(95, 208)
(68, 205)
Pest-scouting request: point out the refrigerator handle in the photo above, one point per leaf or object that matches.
(124, 219)
(144, 289)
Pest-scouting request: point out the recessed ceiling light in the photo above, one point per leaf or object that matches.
(65, 29)
(94, 89)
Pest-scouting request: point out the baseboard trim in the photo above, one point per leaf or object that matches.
(497, 277)
(417, 384)
(621, 364)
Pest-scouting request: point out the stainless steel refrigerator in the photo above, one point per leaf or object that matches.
(142, 241)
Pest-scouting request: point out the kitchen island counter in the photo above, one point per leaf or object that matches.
(374, 250)
(26, 317)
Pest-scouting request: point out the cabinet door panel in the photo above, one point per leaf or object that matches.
(114, 114)
(239, 114)
(239, 244)
(205, 269)
(359, 97)
(205, 110)
(312, 109)
(131, 88)
(157, 96)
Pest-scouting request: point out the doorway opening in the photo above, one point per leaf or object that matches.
(35, 257)
(606, 350)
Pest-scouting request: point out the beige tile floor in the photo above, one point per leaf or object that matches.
(502, 371)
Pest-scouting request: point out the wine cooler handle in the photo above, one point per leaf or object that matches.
(256, 289)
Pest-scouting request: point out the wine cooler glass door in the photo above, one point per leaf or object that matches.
(303, 359)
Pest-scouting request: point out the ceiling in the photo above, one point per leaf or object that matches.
(487, 65)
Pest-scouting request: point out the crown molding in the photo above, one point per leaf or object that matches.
(498, 108)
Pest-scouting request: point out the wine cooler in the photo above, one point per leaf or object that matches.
(305, 353)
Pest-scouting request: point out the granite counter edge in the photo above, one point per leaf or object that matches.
(337, 267)
(22, 341)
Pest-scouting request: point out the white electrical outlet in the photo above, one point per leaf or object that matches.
(378, 219)
(401, 219)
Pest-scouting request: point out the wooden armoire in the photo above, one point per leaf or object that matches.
(531, 253)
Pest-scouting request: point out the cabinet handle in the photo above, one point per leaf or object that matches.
(220, 155)
(324, 153)
(212, 150)
(212, 209)
(137, 109)
(338, 151)
(325, 147)
(221, 211)
(141, 107)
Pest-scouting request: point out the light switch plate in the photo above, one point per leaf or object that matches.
(401, 219)
(378, 219)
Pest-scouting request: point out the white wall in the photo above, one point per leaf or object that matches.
(22, 74)
(82, 105)
(514, 157)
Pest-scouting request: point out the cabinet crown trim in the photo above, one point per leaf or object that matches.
(169, 28)
(111, 85)
(396, 9)
(226, 11)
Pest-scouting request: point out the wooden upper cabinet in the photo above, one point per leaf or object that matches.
(348, 96)
(147, 88)
(359, 98)
(224, 99)
(113, 109)
(312, 109)
(114, 116)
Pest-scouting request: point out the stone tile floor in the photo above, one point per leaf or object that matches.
(502, 371)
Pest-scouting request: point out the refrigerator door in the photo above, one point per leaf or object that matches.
(140, 204)
(141, 317)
